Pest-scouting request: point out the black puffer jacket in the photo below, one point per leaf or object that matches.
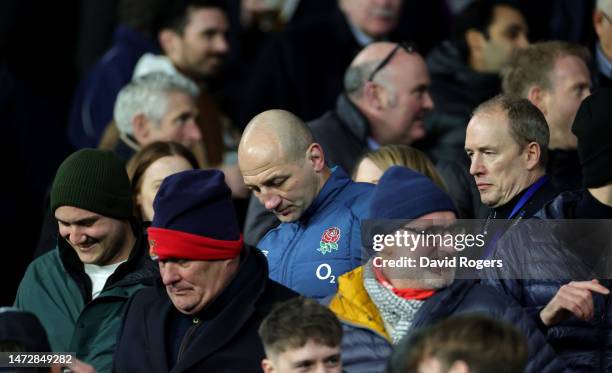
(469, 297)
(539, 258)
(456, 90)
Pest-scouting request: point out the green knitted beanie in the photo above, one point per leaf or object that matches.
(93, 180)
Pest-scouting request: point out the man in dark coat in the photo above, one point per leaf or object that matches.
(551, 272)
(215, 291)
(301, 70)
(386, 108)
(507, 143)
(464, 71)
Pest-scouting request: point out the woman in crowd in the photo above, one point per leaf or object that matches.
(148, 168)
(373, 164)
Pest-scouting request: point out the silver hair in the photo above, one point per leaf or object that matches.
(357, 76)
(148, 95)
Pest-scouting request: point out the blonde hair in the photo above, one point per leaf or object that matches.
(406, 156)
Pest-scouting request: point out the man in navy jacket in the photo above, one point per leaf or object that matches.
(320, 208)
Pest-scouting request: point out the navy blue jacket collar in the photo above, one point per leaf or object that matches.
(332, 187)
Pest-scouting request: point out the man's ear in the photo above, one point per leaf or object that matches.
(141, 129)
(532, 155)
(536, 95)
(598, 19)
(475, 41)
(169, 42)
(371, 95)
(315, 156)
(267, 366)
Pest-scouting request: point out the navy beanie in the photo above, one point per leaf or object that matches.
(402, 193)
(593, 128)
(18, 326)
(197, 202)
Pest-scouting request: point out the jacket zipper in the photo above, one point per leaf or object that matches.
(187, 338)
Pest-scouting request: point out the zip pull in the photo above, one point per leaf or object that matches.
(195, 321)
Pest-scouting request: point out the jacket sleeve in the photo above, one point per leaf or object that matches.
(541, 358)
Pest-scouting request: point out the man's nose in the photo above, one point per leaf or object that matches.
(476, 167)
(428, 101)
(270, 200)
(522, 41)
(76, 236)
(169, 273)
(221, 45)
(192, 131)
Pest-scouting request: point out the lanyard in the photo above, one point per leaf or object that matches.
(519, 206)
(527, 196)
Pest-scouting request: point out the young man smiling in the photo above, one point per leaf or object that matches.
(79, 290)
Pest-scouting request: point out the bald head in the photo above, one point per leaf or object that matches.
(278, 133)
(370, 58)
(281, 163)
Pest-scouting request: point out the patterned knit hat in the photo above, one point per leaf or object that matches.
(93, 180)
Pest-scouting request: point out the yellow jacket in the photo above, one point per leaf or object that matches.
(352, 304)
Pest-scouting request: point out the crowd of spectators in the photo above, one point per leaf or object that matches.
(222, 185)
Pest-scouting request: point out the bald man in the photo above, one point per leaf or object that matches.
(320, 209)
(385, 101)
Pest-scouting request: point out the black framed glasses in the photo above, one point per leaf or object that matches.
(407, 46)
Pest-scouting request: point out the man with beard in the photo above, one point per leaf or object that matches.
(465, 70)
(80, 289)
(379, 304)
(192, 36)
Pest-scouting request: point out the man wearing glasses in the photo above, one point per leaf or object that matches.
(385, 101)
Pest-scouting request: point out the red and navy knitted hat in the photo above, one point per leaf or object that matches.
(194, 218)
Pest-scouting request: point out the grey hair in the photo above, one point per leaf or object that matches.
(356, 77)
(147, 95)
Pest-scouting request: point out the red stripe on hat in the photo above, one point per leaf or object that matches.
(170, 244)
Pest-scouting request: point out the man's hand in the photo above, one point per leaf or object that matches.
(572, 298)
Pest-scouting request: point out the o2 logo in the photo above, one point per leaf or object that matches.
(324, 273)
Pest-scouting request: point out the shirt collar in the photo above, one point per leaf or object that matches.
(362, 38)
